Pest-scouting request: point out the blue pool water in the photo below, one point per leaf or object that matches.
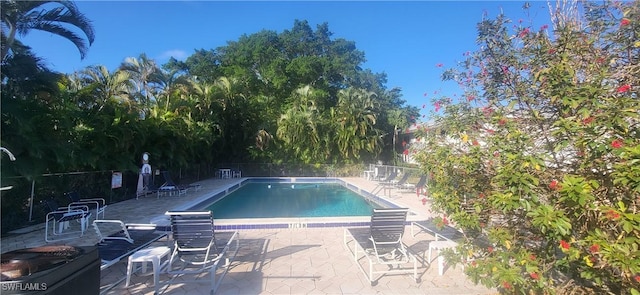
(273, 200)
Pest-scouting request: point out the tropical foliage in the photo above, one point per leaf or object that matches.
(297, 97)
(538, 161)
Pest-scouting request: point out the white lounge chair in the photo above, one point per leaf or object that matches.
(198, 248)
(381, 244)
(59, 219)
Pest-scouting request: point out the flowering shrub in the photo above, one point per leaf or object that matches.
(541, 169)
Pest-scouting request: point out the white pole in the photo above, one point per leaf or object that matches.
(33, 185)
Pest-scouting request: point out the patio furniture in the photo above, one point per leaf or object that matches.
(95, 204)
(225, 173)
(119, 240)
(418, 186)
(399, 183)
(198, 248)
(153, 255)
(381, 244)
(437, 246)
(389, 178)
(169, 187)
(60, 217)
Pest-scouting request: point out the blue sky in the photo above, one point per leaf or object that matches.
(405, 40)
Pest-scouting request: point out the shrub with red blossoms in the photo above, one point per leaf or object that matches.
(560, 179)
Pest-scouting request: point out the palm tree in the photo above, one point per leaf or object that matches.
(299, 127)
(356, 119)
(20, 17)
(106, 85)
(144, 73)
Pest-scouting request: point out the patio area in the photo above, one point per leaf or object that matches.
(275, 261)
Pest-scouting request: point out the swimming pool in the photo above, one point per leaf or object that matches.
(291, 199)
(208, 198)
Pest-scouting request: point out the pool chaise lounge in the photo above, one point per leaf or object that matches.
(199, 248)
(381, 244)
(127, 239)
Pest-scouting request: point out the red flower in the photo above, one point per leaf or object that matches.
(475, 142)
(551, 51)
(587, 120)
(534, 275)
(564, 245)
(445, 221)
(625, 22)
(524, 32)
(612, 214)
(424, 201)
(490, 249)
(544, 27)
(616, 144)
(595, 248)
(624, 88)
(404, 143)
(405, 152)
(481, 195)
(506, 285)
(439, 65)
(473, 263)
(600, 60)
(470, 97)
(637, 278)
(532, 257)
(554, 185)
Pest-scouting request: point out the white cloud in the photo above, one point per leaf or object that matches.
(175, 53)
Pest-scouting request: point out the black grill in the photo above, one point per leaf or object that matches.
(51, 270)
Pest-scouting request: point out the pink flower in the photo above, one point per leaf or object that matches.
(624, 88)
(564, 245)
(616, 144)
(437, 106)
(544, 27)
(625, 22)
(595, 248)
(470, 97)
(490, 249)
(439, 65)
(523, 33)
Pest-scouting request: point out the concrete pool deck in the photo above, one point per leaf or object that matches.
(275, 261)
